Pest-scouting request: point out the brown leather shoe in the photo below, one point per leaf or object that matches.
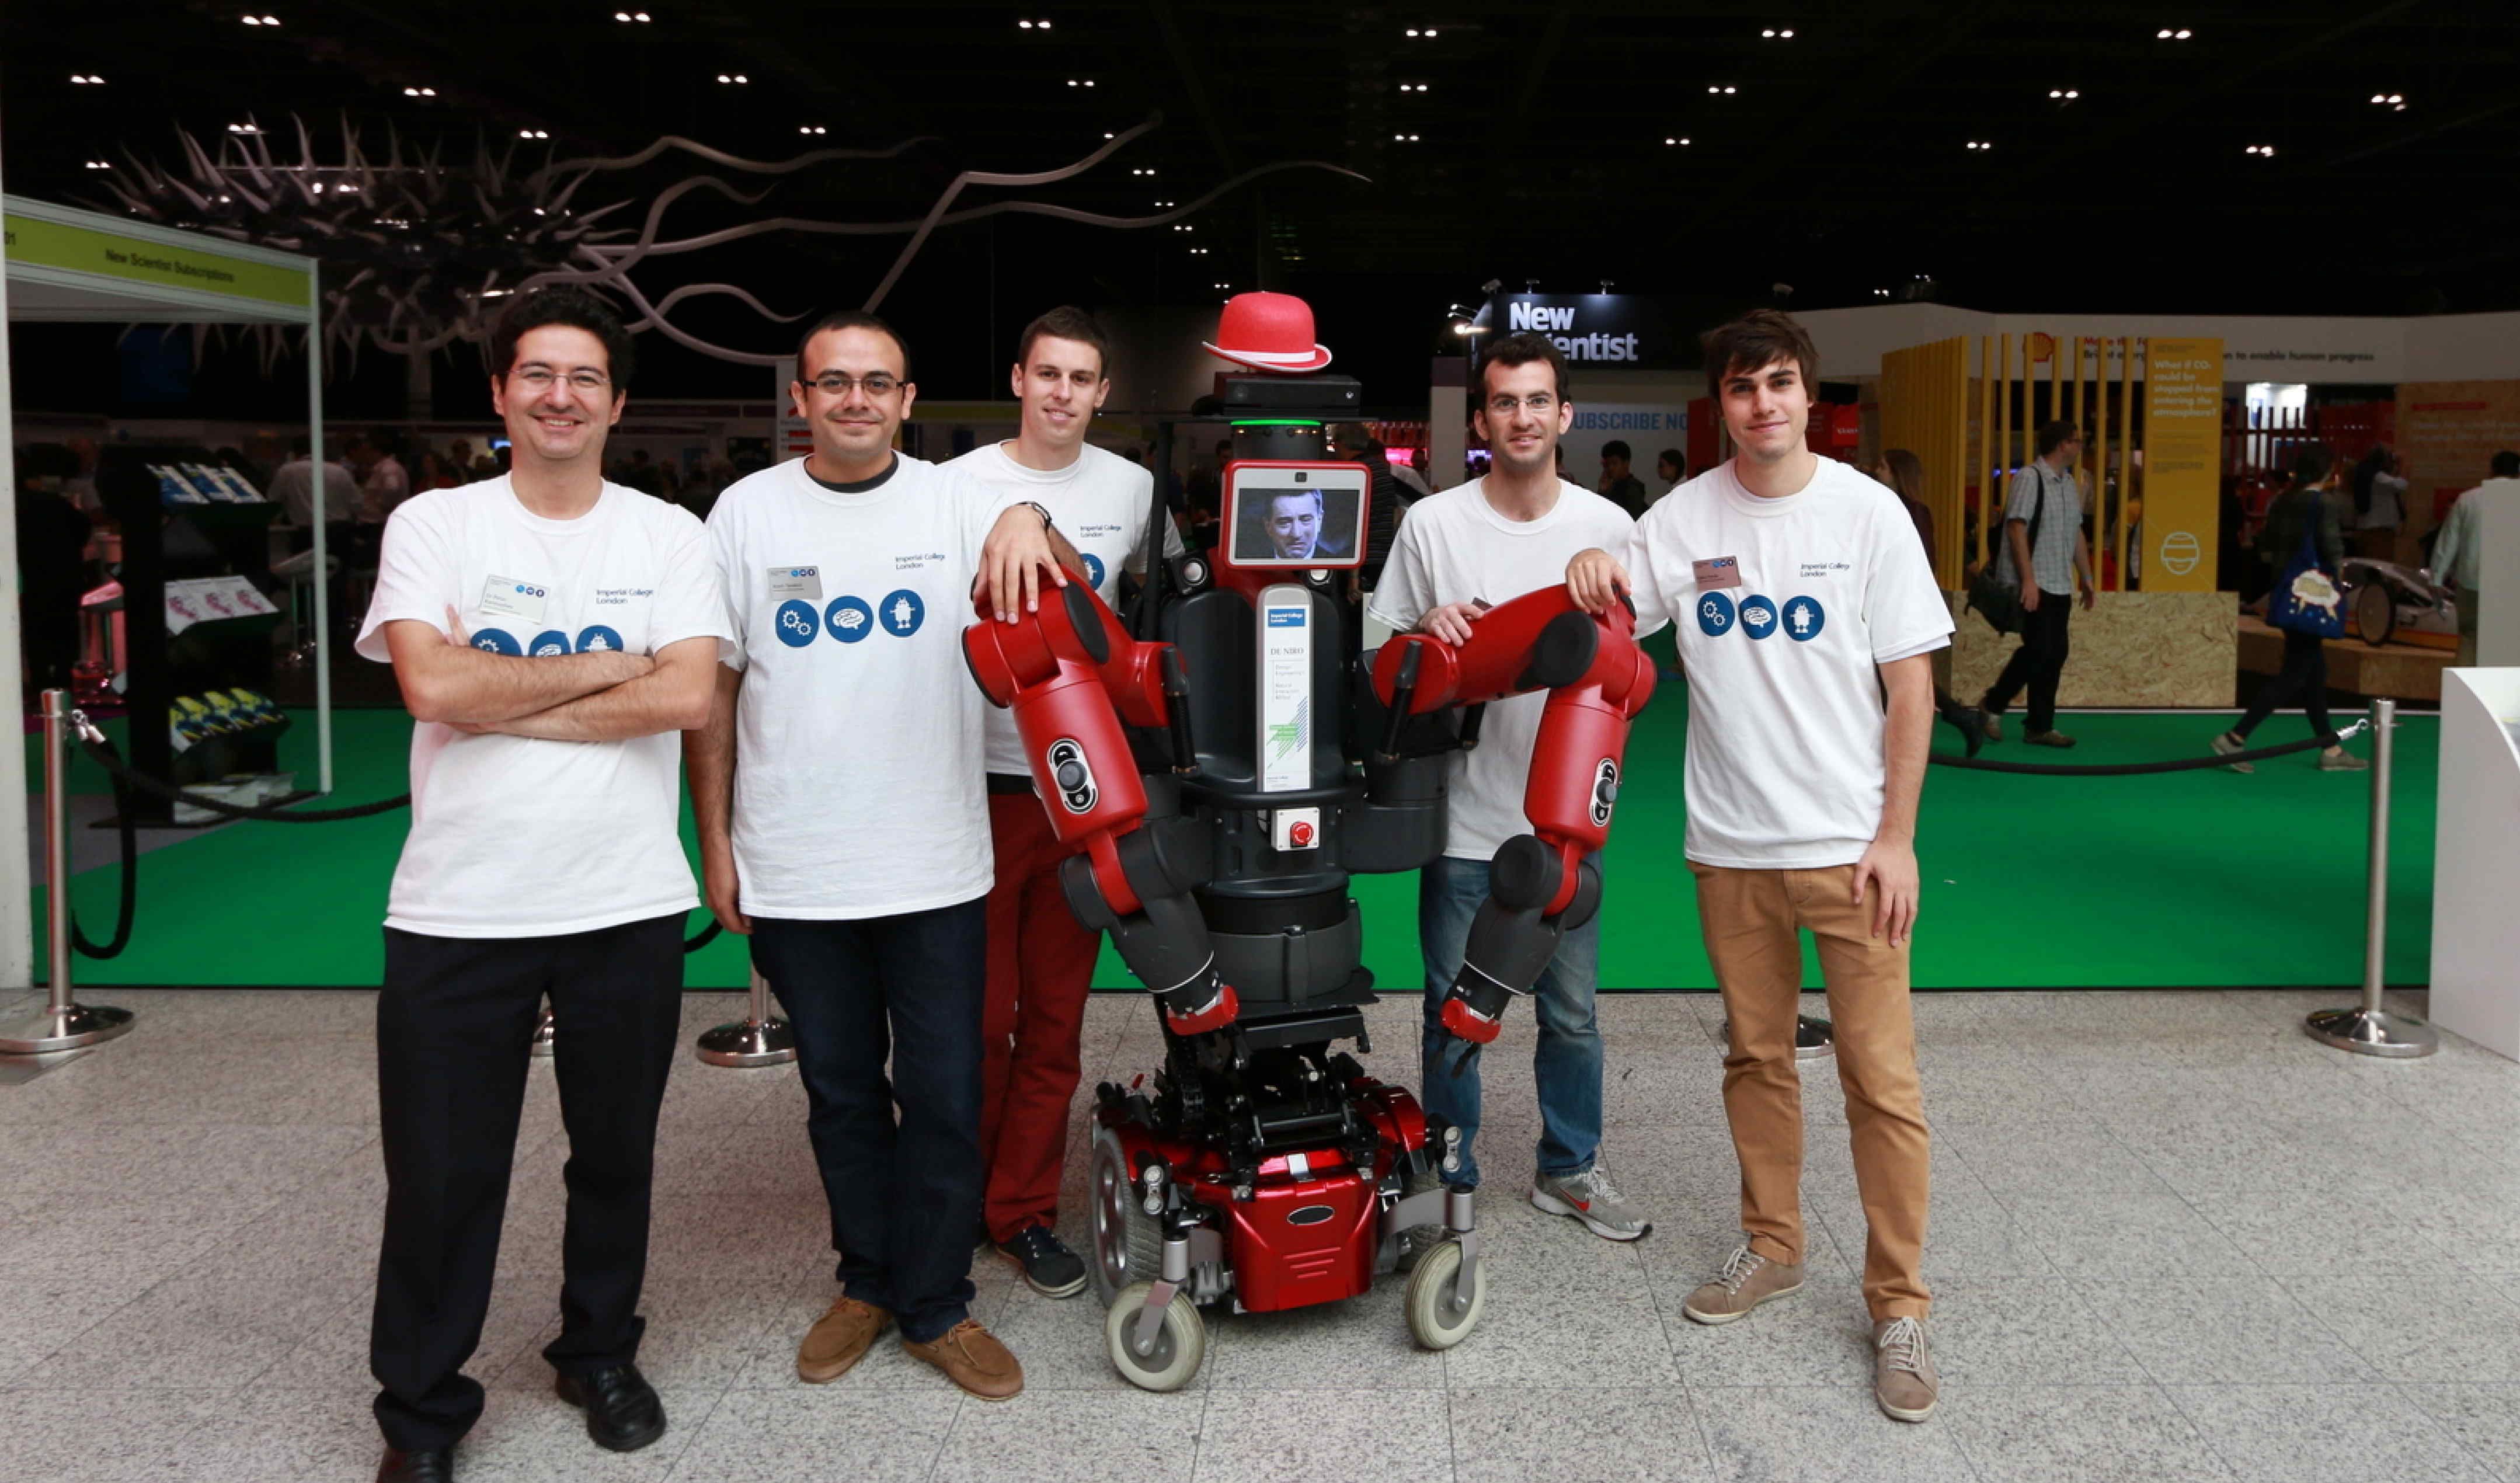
(839, 1339)
(972, 1358)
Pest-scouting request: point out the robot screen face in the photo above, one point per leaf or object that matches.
(1280, 522)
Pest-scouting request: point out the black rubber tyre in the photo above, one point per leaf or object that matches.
(1128, 1242)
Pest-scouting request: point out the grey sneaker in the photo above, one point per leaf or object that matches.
(1592, 1199)
(2226, 745)
(1904, 1380)
(1747, 1280)
(2337, 759)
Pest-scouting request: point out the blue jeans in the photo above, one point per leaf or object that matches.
(905, 1194)
(1568, 1061)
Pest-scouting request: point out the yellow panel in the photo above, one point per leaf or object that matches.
(1925, 409)
(2182, 459)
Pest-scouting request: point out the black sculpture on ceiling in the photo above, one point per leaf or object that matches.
(418, 251)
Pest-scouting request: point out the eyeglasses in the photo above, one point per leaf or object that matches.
(539, 379)
(873, 384)
(1538, 401)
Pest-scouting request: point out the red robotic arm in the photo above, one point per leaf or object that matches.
(1071, 674)
(1542, 884)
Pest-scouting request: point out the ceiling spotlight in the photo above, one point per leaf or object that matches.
(2064, 94)
(98, 165)
(419, 92)
(1425, 33)
(92, 79)
(1980, 143)
(1880, 294)
(812, 128)
(245, 128)
(259, 19)
(1775, 34)
(2166, 34)
(2263, 151)
(533, 133)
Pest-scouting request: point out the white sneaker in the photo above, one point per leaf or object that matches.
(1592, 1199)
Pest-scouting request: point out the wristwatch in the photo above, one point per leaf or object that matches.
(1039, 508)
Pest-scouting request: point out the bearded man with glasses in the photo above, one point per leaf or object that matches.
(844, 827)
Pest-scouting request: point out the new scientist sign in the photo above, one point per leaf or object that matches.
(1624, 330)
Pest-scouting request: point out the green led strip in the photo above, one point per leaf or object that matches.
(1279, 422)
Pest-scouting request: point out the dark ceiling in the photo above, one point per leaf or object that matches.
(1514, 142)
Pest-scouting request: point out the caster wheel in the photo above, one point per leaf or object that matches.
(1128, 1242)
(1432, 1321)
(1180, 1343)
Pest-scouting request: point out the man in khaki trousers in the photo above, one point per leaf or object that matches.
(1808, 619)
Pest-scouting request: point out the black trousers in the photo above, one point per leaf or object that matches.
(2303, 677)
(905, 1196)
(2038, 663)
(455, 1028)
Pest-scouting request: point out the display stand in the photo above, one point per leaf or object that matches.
(2476, 858)
(65, 265)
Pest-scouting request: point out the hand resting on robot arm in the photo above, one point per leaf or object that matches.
(1020, 547)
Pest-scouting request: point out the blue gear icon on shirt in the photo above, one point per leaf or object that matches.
(901, 612)
(549, 643)
(496, 641)
(1094, 569)
(1804, 619)
(1758, 616)
(849, 620)
(796, 623)
(594, 638)
(1713, 614)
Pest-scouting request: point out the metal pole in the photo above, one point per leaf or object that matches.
(759, 1039)
(323, 520)
(2367, 1029)
(62, 1024)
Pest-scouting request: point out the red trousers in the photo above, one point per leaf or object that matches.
(1041, 966)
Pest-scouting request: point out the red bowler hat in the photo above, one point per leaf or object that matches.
(1268, 331)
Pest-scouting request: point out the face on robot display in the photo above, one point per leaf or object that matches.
(1294, 524)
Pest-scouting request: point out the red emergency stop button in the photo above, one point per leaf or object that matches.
(1301, 835)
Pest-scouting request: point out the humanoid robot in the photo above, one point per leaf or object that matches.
(1218, 772)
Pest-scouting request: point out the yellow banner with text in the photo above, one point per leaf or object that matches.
(36, 243)
(2183, 464)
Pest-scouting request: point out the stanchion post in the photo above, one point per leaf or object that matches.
(63, 1023)
(759, 1039)
(2367, 1029)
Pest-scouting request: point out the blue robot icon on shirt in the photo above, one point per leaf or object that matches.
(594, 638)
(901, 612)
(796, 623)
(1094, 569)
(1715, 616)
(1804, 619)
(1758, 616)
(849, 620)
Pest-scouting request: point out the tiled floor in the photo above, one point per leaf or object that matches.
(2173, 1239)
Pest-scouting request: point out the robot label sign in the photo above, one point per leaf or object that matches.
(1286, 680)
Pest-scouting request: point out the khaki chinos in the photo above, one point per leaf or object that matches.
(1751, 920)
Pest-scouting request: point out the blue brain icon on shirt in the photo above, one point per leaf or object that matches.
(849, 620)
(496, 641)
(594, 638)
(1094, 569)
(901, 612)
(794, 623)
(1758, 616)
(1804, 619)
(549, 643)
(1713, 614)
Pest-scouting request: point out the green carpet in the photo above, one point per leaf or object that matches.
(2187, 879)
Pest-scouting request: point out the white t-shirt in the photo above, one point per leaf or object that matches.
(516, 836)
(857, 735)
(1785, 718)
(1453, 547)
(1099, 503)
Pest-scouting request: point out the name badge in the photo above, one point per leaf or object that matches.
(1718, 572)
(508, 598)
(804, 583)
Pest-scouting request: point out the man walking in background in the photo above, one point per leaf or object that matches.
(2047, 500)
(1619, 483)
(2454, 549)
(1040, 958)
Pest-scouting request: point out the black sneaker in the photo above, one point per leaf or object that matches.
(1049, 1267)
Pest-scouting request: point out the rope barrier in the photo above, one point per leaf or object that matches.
(128, 900)
(2143, 769)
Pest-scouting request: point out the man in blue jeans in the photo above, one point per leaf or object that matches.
(1458, 553)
